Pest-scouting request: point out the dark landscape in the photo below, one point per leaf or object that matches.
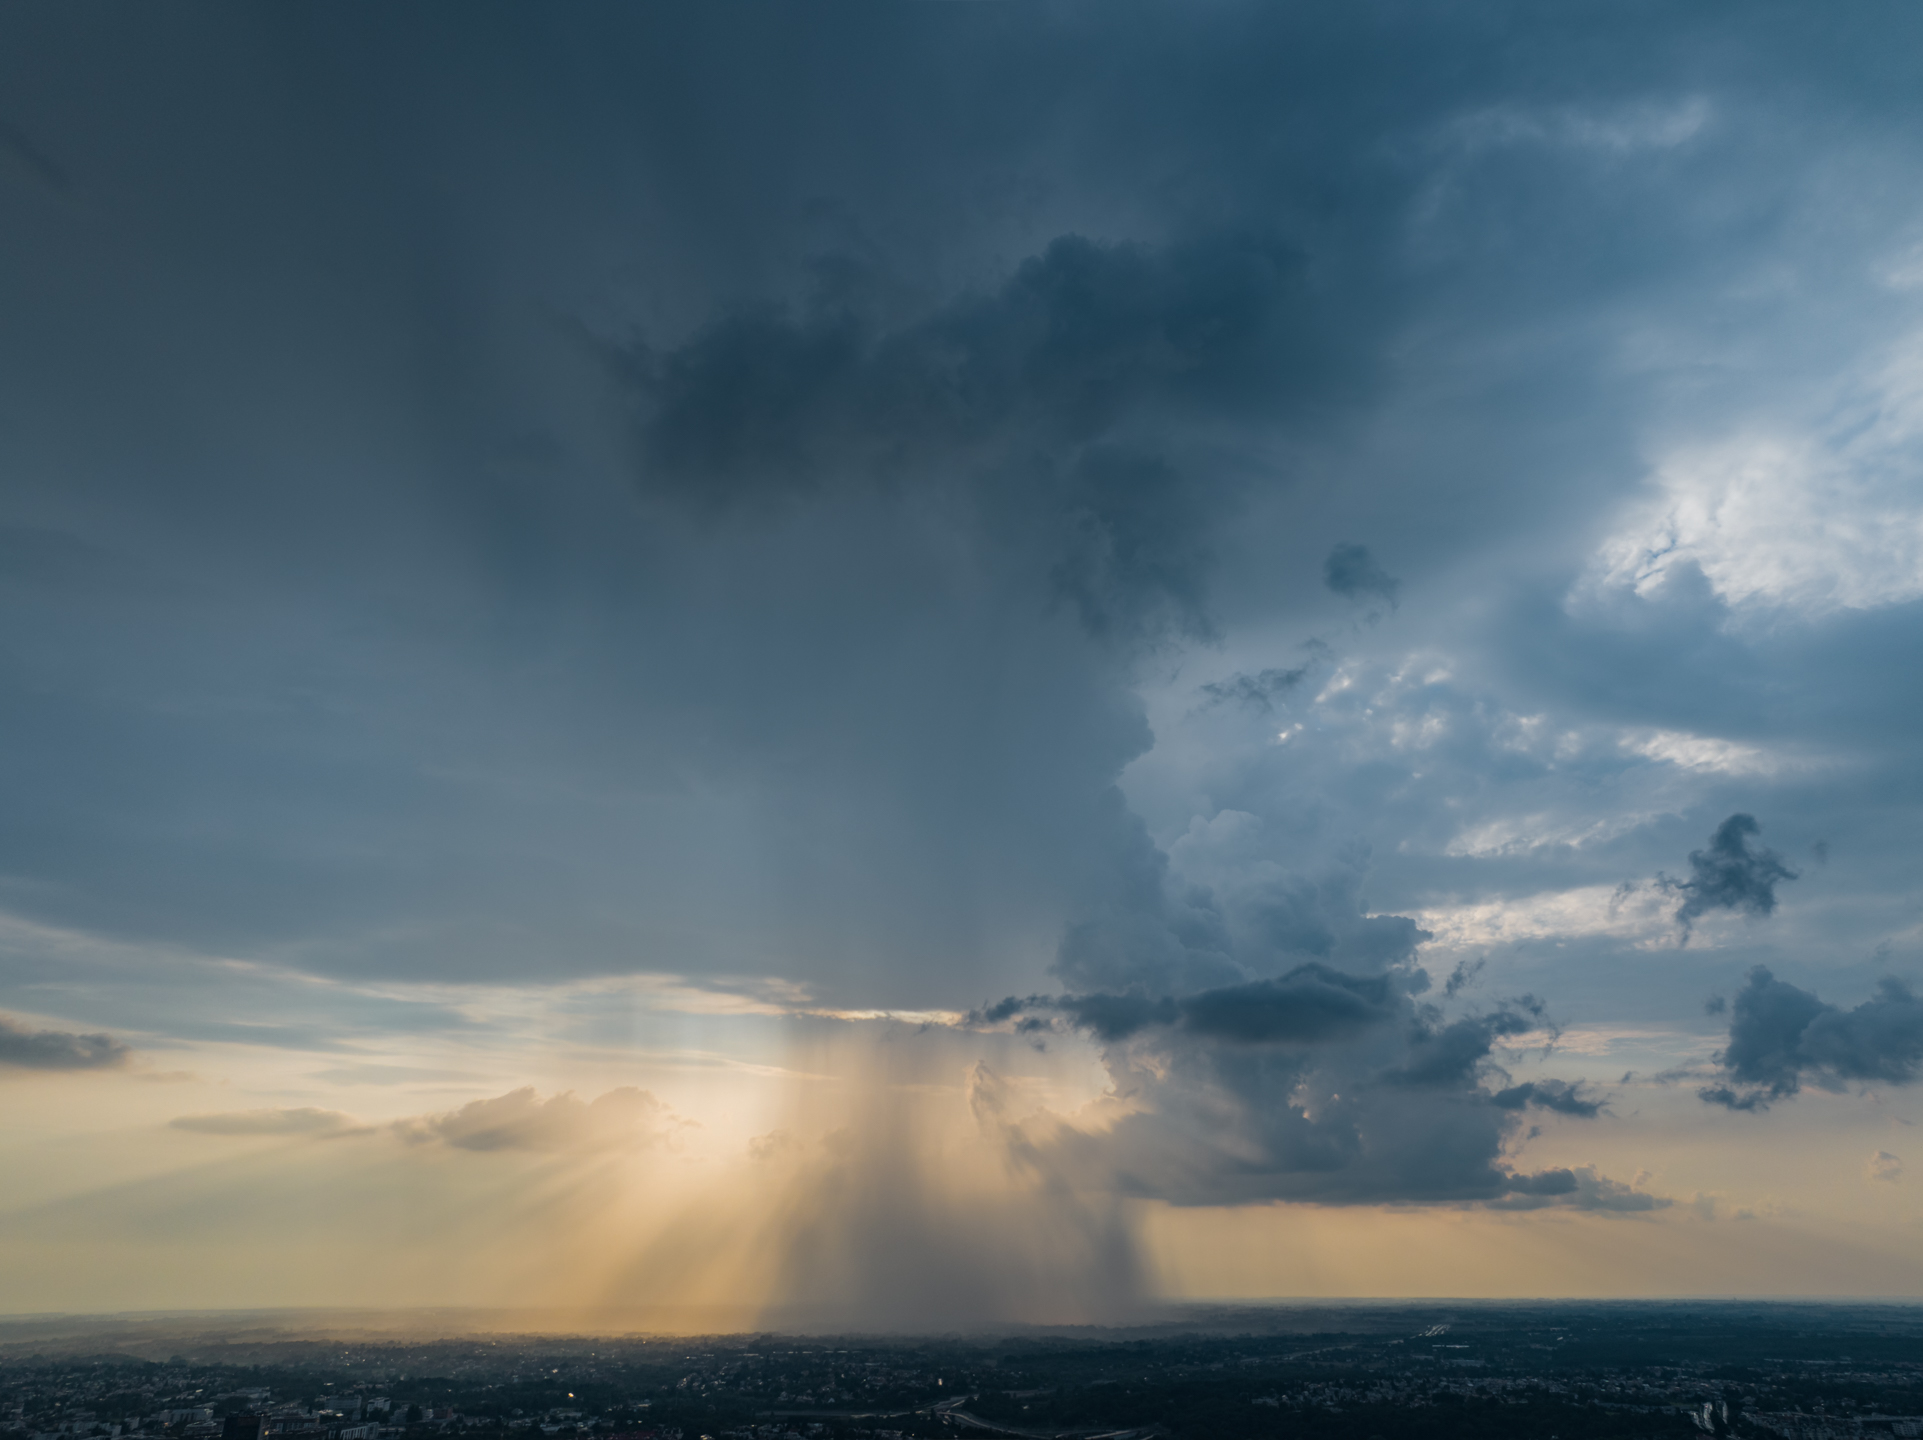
(1550, 1371)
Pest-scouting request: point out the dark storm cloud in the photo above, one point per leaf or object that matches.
(29, 1049)
(1048, 400)
(1079, 340)
(1352, 571)
(1782, 1037)
(1310, 1004)
(1139, 930)
(1145, 930)
(1317, 1084)
(875, 502)
(1557, 1095)
(917, 371)
(1326, 917)
(1113, 1017)
(1333, 1080)
(1456, 1055)
(1579, 1189)
(1729, 875)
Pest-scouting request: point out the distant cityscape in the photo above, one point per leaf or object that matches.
(1550, 1372)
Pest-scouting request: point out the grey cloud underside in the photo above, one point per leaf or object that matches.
(1782, 1038)
(1310, 1003)
(1271, 1042)
(1058, 404)
(1582, 1188)
(1082, 340)
(1316, 1084)
(1557, 1095)
(25, 1048)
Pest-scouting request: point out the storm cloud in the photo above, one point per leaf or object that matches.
(1729, 875)
(1579, 1189)
(1557, 1095)
(1309, 1004)
(1055, 403)
(530, 539)
(1782, 1038)
(1324, 1084)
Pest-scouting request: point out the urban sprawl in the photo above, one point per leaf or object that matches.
(1367, 1373)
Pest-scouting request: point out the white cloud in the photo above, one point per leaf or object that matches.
(1825, 517)
(1702, 752)
(1520, 834)
(1641, 915)
(1883, 1166)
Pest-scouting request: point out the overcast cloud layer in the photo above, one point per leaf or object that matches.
(1360, 568)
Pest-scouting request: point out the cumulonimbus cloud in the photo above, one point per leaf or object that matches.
(1033, 399)
(1333, 1083)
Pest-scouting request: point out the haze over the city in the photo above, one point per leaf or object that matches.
(927, 665)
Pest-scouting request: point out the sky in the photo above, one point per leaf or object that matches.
(931, 664)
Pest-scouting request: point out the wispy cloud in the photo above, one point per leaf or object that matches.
(301, 1121)
(624, 1119)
